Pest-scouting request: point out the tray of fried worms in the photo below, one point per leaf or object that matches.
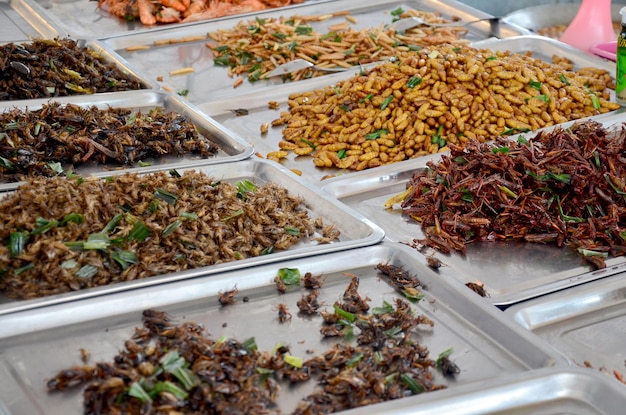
(50, 68)
(312, 335)
(407, 109)
(91, 134)
(584, 323)
(76, 236)
(513, 218)
(234, 56)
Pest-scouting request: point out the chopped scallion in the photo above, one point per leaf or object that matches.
(166, 196)
(290, 276)
(171, 227)
(86, 271)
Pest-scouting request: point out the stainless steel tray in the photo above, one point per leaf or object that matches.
(540, 392)
(259, 113)
(230, 146)
(356, 231)
(211, 82)
(511, 271)
(14, 28)
(83, 18)
(37, 343)
(585, 323)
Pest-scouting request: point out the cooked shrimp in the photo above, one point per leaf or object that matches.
(146, 12)
(175, 4)
(196, 6)
(222, 8)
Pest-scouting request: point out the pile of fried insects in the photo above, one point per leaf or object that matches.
(565, 187)
(46, 68)
(168, 367)
(43, 142)
(65, 234)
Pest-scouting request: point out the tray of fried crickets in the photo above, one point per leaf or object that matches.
(48, 68)
(101, 133)
(305, 335)
(585, 323)
(335, 124)
(73, 236)
(545, 243)
(234, 56)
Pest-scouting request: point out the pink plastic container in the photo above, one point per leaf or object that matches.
(592, 25)
(607, 50)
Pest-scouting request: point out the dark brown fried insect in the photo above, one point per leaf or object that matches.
(283, 313)
(333, 330)
(313, 282)
(69, 378)
(478, 288)
(352, 300)
(84, 355)
(228, 297)
(398, 277)
(240, 112)
(309, 304)
(433, 262)
(448, 367)
(280, 285)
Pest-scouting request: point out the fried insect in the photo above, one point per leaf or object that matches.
(168, 365)
(240, 112)
(433, 262)
(313, 282)
(84, 355)
(308, 303)
(478, 288)
(352, 301)
(448, 367)
(398, 277)
(283, 313)
(280, 285)
(436, 98)
(332, 330)
(228, 297)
